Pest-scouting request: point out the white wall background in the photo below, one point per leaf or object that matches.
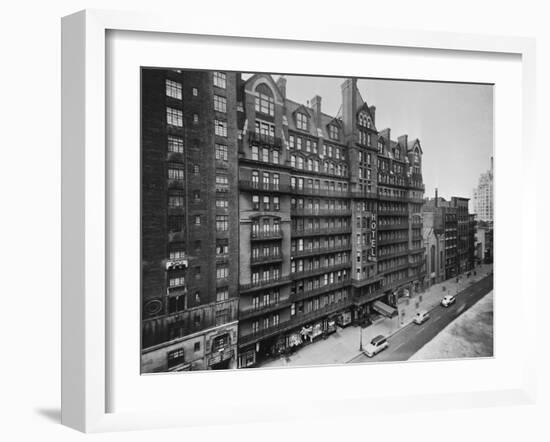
(30, 215)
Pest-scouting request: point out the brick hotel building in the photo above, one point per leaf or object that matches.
(307, 220)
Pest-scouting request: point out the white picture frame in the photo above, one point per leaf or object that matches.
(85, 233)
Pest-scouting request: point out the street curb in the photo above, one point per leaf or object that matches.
(362, 353)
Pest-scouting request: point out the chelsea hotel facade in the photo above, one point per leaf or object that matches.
(267, 223)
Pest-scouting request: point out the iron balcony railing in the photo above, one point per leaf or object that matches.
(396, 226)
(264, 139)
(417, 250)
(395, 268)
(320, 231)
(270, 234)
(264, 259)
(393, 255)
(320, 290)
(319, 192)
(320, 270)
(382, 242)
(262, 309)
(363, 194)
(264, 283)
(320, 250)
(393, 213)
(315, 212)
(263, 187)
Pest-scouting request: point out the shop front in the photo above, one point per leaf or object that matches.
(344, 318)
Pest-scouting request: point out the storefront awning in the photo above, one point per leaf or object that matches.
(384, 309)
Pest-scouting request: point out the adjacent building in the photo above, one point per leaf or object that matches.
(307, 220)
(450, 237)
(190, 248)
(483, 196)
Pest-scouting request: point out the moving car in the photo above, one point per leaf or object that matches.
(421, 317)
(375, 346)
(448, 300)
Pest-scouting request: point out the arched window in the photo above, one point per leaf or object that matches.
(292, 160)
(300, 163)
(264, 102)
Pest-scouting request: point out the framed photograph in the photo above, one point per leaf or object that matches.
(254, 217)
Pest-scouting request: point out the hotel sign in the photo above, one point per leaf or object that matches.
(372, 250)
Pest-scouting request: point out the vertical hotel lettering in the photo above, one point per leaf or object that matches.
(373, 238)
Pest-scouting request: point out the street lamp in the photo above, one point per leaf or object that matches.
(360, 338)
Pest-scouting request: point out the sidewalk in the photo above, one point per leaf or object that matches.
(343, 345)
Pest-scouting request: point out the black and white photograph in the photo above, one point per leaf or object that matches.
(293, 221)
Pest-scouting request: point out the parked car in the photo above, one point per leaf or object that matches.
(421, 317)
(375, 346)
(448, 300)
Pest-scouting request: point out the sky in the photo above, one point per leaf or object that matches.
(453, 121)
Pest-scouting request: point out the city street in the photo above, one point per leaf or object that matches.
(411, 338)
(343, 346)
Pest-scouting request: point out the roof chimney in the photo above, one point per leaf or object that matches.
(436, 198)
(403, 141)
(349, 105)
(316, 105)
(281, 84)
(372, 110)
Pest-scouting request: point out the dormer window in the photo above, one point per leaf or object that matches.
(369, 123)
(362, 120)
(380, 147)
(396, 154)
(301, 121)
(264, 102)
(416, 157)
(333, 132)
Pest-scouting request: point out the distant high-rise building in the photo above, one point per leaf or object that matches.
(483, 196)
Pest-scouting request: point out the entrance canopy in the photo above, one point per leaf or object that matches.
(384, 309)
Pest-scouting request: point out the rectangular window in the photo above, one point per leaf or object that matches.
(222, 203)
(177, 281)
(175, 223)
(264, 104)
(276, 204)
(255, 202)
(220, 128)
(222, 247)
(175, 174)
(220, 79)
(222, 183)
(197, 220)
(221, 152)
(222, 294)
(174, 117)
(222, 272)
(175, 357)
(301, 121)
(221, 223)
(175, 201)
(220, 103)
(173, 89)
(175, 144)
